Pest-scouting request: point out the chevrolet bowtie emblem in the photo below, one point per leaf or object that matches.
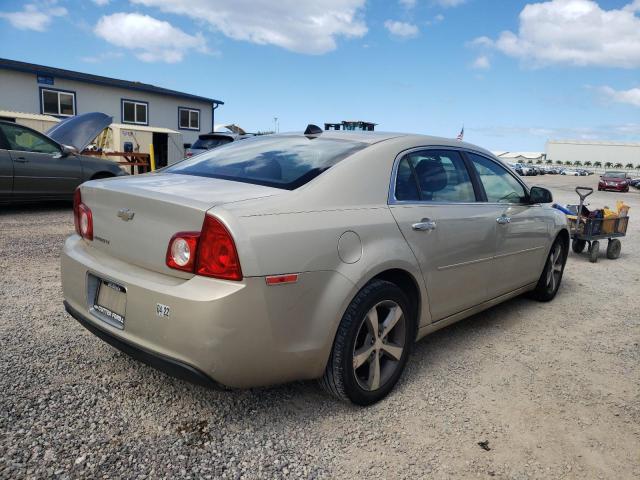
(125, 214)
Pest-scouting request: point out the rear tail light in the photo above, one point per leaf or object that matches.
(82, 217)
(182, 250)
(211, 252)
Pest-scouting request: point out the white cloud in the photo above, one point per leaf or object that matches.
(151, 39)
(34, 16)
(628, 131)
(310, 27)
(101, 3)
(629, 97)
(449, 3)
(407, 3)
(481, 63)
(573, 32)
(102, 57)
(401, 29)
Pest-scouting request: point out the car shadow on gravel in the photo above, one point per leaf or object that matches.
(297, 399)
(36, 207)
(474, 332)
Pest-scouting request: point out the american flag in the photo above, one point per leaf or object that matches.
(460, 136)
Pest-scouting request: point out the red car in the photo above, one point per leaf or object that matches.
(616, 181)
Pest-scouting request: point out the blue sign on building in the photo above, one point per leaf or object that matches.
(45, 79)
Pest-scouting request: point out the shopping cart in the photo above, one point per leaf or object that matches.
(588, 230)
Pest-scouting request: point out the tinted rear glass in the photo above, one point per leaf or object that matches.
(208, 143)
(283, 161)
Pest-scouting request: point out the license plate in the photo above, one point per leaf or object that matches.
(111, 301)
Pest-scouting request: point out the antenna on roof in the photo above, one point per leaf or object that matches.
(313, 130)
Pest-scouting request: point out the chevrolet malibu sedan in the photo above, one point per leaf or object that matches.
(318, 255)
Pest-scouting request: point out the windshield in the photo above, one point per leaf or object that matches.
(282, 161)
(209, 143)
(615, 174)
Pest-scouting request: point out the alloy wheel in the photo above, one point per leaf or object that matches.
(379, 345)
(554, 267)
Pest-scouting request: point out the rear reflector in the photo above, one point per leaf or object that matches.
(281, 279)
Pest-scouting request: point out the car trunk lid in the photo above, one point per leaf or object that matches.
(134, 218)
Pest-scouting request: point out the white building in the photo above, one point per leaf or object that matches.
(594, 151)
(53, 92)
(521, 157)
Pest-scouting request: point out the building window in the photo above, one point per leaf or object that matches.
(189, 119)
(135, 112)
(58, 102)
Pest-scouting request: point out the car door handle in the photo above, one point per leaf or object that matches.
(21, 160)
(424, 225)
(503, 220)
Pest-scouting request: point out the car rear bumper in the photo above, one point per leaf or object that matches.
(168, 365)
(237, 334)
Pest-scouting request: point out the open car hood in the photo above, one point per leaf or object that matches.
(79, 131)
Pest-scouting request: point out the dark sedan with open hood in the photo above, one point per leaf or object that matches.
(35, 167)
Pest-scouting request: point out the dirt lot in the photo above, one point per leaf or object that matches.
(553, 388)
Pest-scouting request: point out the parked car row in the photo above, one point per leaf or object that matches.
(524, 169)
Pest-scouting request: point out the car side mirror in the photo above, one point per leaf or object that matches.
(540, 195)
(67, 150)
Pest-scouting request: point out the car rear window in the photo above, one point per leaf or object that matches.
(208, 143)
(282, 161)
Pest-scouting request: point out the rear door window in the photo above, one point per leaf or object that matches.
(282, 161)
(434, 176)
(499, 184)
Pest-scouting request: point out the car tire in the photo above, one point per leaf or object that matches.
(378, 371)
(551, 277)
(613, 249)
(578, 245)
(594, 251)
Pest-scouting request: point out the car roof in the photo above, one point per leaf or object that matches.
(410, 138)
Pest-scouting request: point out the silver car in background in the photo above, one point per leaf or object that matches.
(316, 255)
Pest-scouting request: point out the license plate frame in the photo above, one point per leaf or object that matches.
(110, 302)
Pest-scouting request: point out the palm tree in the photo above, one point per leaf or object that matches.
(577, 163)
(549, 162)
(617, 165)
(568, 163)
(587, 163)
(539, 162)
(558, 162)
(597, 164)
(608, 165)
(629, 165)
(530, 162)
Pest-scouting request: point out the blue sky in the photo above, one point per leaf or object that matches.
(515, 73)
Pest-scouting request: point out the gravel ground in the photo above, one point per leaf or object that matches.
(552, 388)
